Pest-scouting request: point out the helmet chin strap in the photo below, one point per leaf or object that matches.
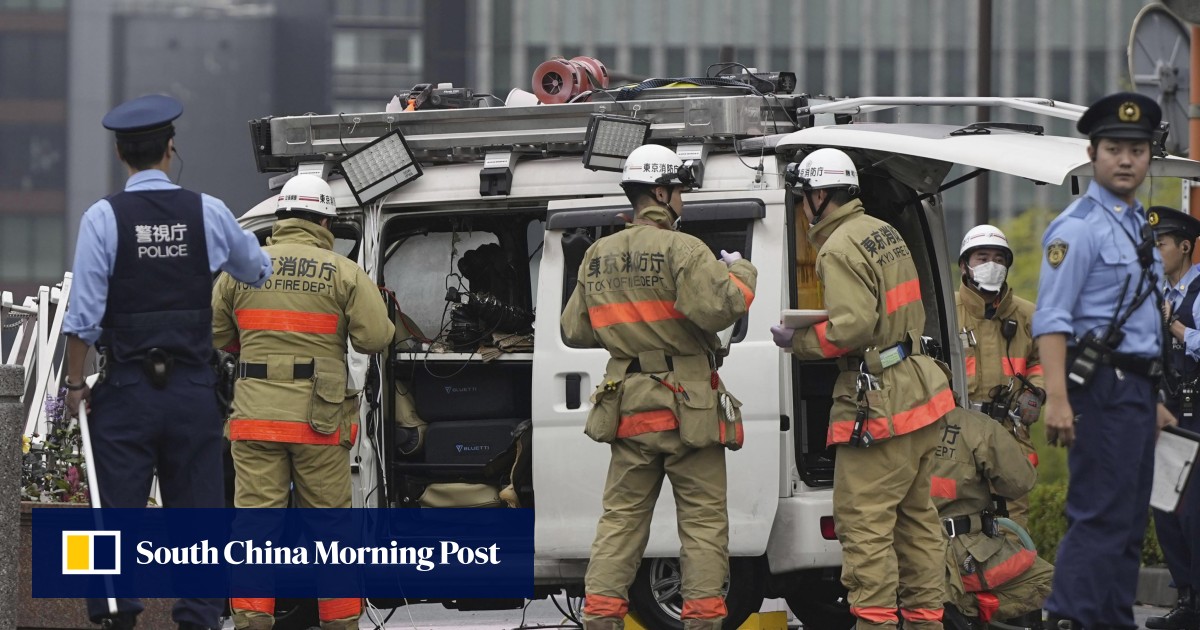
(817, 212)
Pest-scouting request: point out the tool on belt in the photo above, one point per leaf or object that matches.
(859, 435)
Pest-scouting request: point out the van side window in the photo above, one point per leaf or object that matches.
(434, 264)
(727, 225)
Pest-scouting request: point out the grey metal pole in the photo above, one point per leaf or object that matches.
(12, 413)
(984, 88)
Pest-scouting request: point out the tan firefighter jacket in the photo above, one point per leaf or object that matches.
(873, 296)
(295, 327)
(648, 293)
(993, 361)
(975, 458)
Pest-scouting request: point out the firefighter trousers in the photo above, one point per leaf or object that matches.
(266, 472)
(635, 476)
(1018, 595)
(893, 547)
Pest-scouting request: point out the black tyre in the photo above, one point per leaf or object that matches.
(657, 601)
(821, 604)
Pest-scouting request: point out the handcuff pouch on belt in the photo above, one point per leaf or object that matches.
(157, 366)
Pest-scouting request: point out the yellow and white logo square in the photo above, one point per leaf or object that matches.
(91, 552)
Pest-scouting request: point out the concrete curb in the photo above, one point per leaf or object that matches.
(1154, 587)
(12, 385)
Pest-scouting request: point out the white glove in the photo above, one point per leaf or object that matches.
(730, 257)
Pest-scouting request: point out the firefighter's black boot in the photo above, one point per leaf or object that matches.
(1185, 615)
(954, 619)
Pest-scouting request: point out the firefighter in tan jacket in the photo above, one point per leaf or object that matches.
(888, 400)
(662, 406)
(1004, 373)
(294, 416)
(989, 575)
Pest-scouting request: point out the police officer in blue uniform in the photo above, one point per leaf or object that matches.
(1179, 531)
(1099, 334)
(141, 293)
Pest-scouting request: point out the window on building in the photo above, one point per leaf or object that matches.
(32, 157)
(361, 49)
(919, 71)
(956, 73)
(1060, 75)
(31, 247)
(676, 61)
(639, 64)
(814, 73)
(885, 72)
(408, 9)
(33, 66)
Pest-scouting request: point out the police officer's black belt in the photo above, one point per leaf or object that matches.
(259, 370)
(636, 366)
(968, 524)
(1142, 366)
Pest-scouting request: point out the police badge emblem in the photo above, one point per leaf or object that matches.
(1129, 112)
(1056, 251)
(1152, 218)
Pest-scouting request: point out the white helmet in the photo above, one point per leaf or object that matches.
(984, 236)
(306, 193)
(656, 165)
(823, 168)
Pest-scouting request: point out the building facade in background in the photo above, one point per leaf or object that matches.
(63, 64)
(1072, 50)
(33, 142)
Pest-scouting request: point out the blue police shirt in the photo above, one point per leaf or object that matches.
(1088, 254)
(230, 248)
(1174, 294)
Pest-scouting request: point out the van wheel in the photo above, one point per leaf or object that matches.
(821, 604)
(657, 600)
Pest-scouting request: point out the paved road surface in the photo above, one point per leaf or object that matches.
(540, 613)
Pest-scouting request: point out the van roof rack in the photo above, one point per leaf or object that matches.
(466, 135)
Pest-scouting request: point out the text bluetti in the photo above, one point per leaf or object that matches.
(240, 552)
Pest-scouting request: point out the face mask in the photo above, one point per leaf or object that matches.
(989, 275)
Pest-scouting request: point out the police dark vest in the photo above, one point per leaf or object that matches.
(1186, 367)
(160, 291)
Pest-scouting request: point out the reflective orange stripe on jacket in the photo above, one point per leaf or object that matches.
(746, 292)
(1015, 565)
(902, 294)
(971, 367)
(943, 488)
(988, 605)
(828, 350)
(339, 608)
(289, 431)
(287, 321)
(632, 312)
(903, 422)
(647, 422)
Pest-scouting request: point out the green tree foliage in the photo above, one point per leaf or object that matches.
(1048, 524)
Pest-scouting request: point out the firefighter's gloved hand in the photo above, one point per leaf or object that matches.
(730, 257)
(782, 336)
(1029, 405)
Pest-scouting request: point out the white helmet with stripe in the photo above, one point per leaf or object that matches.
(656, 165)
(306, 193)
(824, 168)
(984, 236)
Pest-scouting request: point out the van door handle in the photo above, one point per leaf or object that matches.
(573, 391)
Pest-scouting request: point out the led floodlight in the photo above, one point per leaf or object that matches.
(610, 139)
(379, 168)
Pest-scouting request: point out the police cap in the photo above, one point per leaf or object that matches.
(1123, 116)
(1166, 220)
(144, 118)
